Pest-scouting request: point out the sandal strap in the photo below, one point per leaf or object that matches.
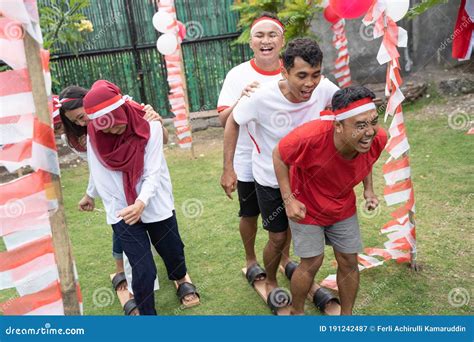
(278, 298)
(322, 297)
(185, 289)
(129, 306)
(118, 279)
(253, 272)
(290, 269)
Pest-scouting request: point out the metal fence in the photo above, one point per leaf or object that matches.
(122, 49)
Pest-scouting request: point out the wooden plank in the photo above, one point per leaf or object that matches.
(61, 242)
(261, 289)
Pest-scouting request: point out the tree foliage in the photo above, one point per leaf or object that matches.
(296, 15)
(62, 21)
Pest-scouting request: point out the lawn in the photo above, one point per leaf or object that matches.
(441, 160)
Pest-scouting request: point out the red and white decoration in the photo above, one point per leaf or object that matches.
(342, 72)
(401, 232)
(28, 264)
(169, 44)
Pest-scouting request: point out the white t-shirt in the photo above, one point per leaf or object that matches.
(236, 80)
(274, 118)
(154, 188)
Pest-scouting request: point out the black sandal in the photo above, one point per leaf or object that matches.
(129, 306)
(185, 289)
(278, 298)
(290, 268)
(322, 297)
(118, 279)
(253, 272)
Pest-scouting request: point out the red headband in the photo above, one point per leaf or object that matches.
(276, 22)
(353, 109)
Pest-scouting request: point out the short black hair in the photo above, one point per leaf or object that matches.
(269, 15)
(344, 97)
(77, 94)
(305, 48)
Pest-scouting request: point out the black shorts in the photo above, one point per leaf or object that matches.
(247, 199)
(271, 205)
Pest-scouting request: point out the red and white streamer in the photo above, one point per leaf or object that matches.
(401, 233)
(175, 80)
(397, 171)
(28, 264)
(342, 71)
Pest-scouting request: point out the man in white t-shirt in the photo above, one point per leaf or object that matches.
(276, 108)
(266, 41)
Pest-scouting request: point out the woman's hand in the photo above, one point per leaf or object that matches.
(151, 114)
(87, 203)
(132, 213)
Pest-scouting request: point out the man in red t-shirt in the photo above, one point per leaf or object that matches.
(317, 166)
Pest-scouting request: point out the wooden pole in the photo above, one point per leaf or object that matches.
(62, 247)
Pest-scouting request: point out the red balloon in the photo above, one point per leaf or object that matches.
(330, 15)
(350, 9)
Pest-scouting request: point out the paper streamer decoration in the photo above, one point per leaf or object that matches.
(401, 230)
(401, 244)
(169, 44)
(28, 265)
(342, 72)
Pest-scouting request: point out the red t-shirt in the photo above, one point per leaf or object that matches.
(320, 177)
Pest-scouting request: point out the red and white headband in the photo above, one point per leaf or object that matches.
(266, 20)
(106, 106)
(353, 109)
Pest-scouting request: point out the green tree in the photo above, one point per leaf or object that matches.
(295, 14)
(63, 22)
(423, 6)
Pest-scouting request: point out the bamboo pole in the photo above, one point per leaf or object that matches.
(62, 247)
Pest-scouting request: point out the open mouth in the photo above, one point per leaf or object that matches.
(365, 143)
(306, 93)
(266, 50)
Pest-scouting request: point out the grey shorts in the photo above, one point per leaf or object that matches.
(343, 236)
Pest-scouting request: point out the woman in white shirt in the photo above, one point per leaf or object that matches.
(130, 174)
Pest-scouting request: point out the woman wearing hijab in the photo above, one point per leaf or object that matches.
(69, 105)
(130, 174)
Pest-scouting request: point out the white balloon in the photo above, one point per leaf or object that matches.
(162, 20)
(167, 43)
(396, 9)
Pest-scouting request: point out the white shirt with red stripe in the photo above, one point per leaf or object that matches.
(275, 116)
(236, 80)
(154, 188)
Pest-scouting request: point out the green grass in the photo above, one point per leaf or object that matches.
(441, 160)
